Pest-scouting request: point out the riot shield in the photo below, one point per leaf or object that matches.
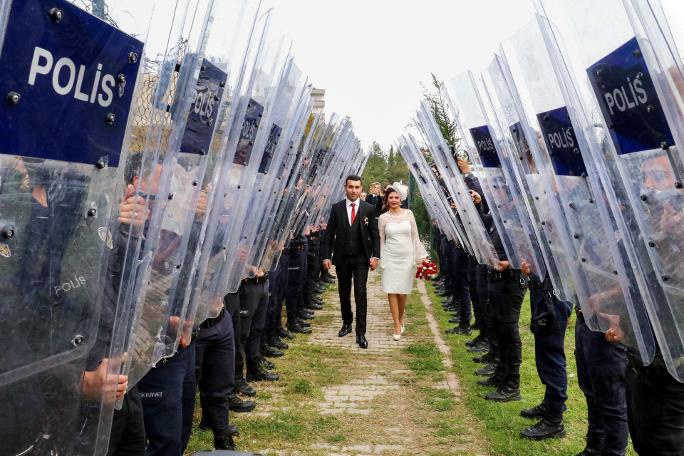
(485, 143)
(478, 234)
(263, 134)
(63, 152)
(436, 203)
(262, 69)
(599, 253)
(624, 120)
(265, 237)
(275, 131)
(227, 49)
(520, 164)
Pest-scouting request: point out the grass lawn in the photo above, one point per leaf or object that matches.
(502, 422)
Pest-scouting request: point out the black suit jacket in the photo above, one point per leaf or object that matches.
(334, 241)
(375, 201)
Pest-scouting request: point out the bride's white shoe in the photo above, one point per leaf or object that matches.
(403, 330)
(396, 337)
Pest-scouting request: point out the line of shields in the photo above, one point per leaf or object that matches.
(152, 155)
(573, 132)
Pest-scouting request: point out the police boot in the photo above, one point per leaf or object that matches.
(285, 334)
(480, 347)
(486, 371)
(504, 394)
(238, 405)
(244, 388)
(311, 305)
(275, 341)
(267, 364)
(271, 352)
(317, 300)
(545, 429)
(261, 375)
(297, 328)
(224, 441)
(474, 341)
(488, 382)
(305, 314)
(319, 289)
(538, 411)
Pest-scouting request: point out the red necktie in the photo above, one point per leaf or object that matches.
(353, 205)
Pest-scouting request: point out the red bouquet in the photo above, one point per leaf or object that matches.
(427, 270)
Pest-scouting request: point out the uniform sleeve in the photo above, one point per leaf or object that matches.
(418, 248)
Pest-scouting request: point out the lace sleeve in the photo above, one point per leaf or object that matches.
(418, 248)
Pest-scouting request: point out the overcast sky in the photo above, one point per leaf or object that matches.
(372, 55)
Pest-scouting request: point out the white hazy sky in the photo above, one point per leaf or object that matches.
(371, 55)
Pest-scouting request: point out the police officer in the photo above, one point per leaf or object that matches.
(506, 292)
(600, 372)
(294, 297)
(460, 289)
(549, 323)
(253, 309)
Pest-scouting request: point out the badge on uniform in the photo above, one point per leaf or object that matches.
(5, 250)
(106, 236)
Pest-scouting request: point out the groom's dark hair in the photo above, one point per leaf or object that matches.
(352, 177)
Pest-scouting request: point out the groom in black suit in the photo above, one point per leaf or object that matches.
(352, 240)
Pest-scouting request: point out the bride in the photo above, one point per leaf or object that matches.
(401, 250)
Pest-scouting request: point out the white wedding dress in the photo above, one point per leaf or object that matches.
(400, 248)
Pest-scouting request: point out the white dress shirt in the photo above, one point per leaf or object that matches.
(349, 209)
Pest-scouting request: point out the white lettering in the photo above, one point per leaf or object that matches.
(79, 95)
(96, 85)
(67, 79)
(36, 67)
(61, 63)
(624, 99)
(107, 80)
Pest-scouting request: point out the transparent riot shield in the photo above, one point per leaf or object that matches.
(520, 164)
(275, 129)
(63, 152)
(440, 198)
(170, 67)
(263, 134)
(604, 279)
(614, 99)
(485, 143)
(264, 239)
(473, 224)
(661, 47)
(290, 192)
(296, 186)
(436, 204)
(239, 171)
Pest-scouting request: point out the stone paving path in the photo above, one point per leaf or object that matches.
(381, 401)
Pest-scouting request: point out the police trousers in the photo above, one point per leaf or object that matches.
(549, 348)
(506, 293)
(295, 286)
(215, 371)
(655, 409)
(127, 437)
(167, 393)
(601, 376)
(253, 310)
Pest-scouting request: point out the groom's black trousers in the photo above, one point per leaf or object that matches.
(356, 271)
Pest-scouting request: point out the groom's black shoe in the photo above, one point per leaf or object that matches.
(346, 329)
(361, 340)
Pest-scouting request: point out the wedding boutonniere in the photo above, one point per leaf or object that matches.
(365, 221)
